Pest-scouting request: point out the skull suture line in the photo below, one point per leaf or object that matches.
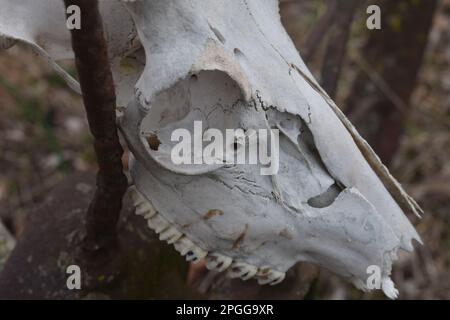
(231, 65)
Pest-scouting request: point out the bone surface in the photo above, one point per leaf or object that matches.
(231, 65)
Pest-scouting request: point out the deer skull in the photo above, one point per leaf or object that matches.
(231, 65)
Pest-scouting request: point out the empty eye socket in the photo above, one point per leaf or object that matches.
(209, 97)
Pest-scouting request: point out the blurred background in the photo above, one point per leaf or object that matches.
(392, 83)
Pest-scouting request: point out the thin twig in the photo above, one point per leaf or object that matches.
(337, 45)
(91, 57)
(381, 84)
(391, 95)
(319, 32)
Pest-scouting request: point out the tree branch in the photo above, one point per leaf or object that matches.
(99, 99)
(337, 44)
(319, 31)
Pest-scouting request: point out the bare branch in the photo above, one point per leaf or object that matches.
(319, 31)
(99, 99)
(337, 44)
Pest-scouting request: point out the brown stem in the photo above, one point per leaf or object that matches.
(91, 57)
(337, 44)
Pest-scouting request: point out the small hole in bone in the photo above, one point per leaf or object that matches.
(238, 52)
(194, 77)
(153, 142)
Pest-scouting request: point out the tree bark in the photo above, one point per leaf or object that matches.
(99, 99)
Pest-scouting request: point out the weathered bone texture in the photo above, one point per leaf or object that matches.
(231, 65)
(42, 25)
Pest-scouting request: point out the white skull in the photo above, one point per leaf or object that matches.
(231, 65)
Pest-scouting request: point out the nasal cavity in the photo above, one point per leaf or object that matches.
(326, 198)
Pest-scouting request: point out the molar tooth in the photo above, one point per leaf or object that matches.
(270, 276)
(145, 209)
(158, 223)
(136, 196)
(170, 235)
(278, 276)
(251, 272)
(195, 254)
(187, 248)
(242, 270)
(218, 262)
(388, 287)
(143, 206)
(150, 214)
(183, 245)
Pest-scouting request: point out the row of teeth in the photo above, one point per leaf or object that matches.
(193, 253)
